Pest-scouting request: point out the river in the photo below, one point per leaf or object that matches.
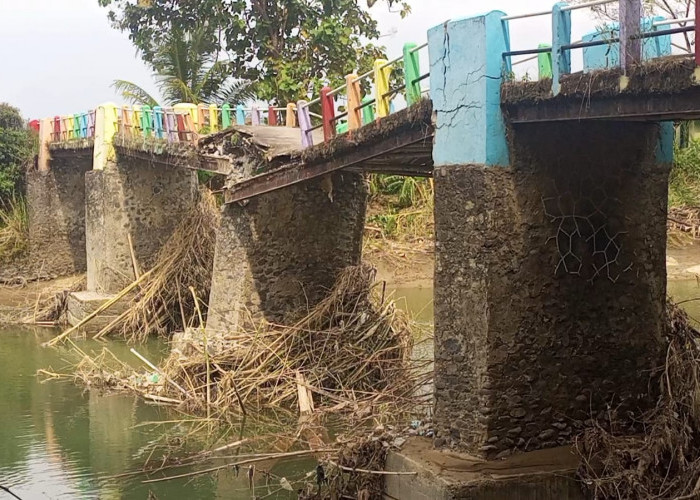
(58, 441)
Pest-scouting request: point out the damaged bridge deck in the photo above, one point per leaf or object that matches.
(664, 89)
(400, 144)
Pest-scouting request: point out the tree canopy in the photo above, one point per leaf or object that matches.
(670, 9)
(286, 48)
(187, 69)
(15, 149)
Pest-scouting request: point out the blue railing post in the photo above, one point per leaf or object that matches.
(561, 36)
(240, 115)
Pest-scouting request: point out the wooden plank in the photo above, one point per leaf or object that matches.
(277, 179)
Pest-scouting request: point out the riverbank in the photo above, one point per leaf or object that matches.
(412, 265)
(400, 265)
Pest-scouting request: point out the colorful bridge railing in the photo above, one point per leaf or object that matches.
(625, 43)
(631, 40)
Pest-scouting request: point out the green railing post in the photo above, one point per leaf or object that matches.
(544, 62)
(411, 68)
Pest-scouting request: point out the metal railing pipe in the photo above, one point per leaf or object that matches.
(667, 22)
(587, 5)
(525, 16)
(338, 89)
(416, 49)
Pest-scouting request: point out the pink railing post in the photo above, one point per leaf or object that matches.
(697, 33)
(630, 29)
(254, 115)
(305, 124)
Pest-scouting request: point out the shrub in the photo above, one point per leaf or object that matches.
(16, 147)
(684, 182)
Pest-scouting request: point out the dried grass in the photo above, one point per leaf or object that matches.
(663, 462)
(352, 350)
(163, 303)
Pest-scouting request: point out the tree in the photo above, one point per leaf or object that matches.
(187, 69)
(15, 149)
(287, 48)
(670, 9)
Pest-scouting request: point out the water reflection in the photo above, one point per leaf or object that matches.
(58, 441)
(687, 292)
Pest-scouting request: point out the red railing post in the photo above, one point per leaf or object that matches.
(272, 116)
(56, 128)
(328, 113)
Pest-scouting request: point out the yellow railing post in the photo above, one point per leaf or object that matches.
(105, 129)
(382, 73)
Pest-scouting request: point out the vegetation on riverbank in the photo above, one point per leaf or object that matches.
(684, 181)
(14, 228)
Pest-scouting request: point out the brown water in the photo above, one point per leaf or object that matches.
(58, 441)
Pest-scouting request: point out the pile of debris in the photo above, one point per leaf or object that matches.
(664, 462)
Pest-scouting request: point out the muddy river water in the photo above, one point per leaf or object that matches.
(58, 441)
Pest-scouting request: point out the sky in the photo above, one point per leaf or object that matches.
(61, 56)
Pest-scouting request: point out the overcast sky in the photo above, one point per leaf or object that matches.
(61, 56)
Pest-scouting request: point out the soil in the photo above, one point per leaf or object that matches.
(683, 262)
(17, 302)
(402, 265)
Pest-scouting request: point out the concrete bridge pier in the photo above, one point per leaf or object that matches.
(56, 203)
(550, 279)
(278, 254)
(129, 197)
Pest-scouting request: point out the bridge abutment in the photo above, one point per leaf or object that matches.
(280, 253)
(56, 204)
(550, 280)
(131, 198)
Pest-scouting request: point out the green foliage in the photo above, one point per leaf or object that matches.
(408, 191)
(684, 182)
(402, 206)
(14, 228)
(16, 147)
(288, 49)
(187, 69)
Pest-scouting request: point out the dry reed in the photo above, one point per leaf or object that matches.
(164, 303)
(663, 462)
(352, 352)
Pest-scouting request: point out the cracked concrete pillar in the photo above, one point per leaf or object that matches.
(550, 271)
(466, 65)
(280, 253)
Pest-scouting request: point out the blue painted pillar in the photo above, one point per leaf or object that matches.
(664, 148)
(466, 72)
(561, 35)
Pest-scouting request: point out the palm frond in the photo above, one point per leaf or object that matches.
(133, 93)
(235, 92)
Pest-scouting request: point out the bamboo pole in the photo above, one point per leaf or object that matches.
(134, 262)
(206, 349)
(100, 309)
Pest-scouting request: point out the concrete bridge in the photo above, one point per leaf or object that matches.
(550, 210)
